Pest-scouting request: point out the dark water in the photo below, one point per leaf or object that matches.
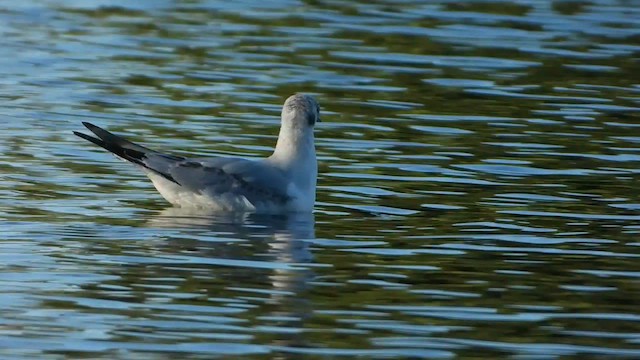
(478, 189)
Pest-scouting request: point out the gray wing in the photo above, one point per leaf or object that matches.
(255, 180)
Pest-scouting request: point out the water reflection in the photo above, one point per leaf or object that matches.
(206, 281)
(286, 235)
(282, 240)
(280, 257)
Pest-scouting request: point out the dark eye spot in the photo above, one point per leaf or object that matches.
(315, 116)
(311, 119)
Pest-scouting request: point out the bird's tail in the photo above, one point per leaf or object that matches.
(125, 149)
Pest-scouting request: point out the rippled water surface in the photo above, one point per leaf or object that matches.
(478, 188)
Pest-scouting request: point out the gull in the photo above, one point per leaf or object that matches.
(283, 182)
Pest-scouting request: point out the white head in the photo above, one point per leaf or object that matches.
(300, 111)
(295, 152)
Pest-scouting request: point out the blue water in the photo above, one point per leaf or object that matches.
(477, 190)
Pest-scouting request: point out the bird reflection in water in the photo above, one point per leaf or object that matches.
(252, 255)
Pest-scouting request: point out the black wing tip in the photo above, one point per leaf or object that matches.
(78, 133)
(89, 138)
(94, 129)
(131, 155)
(89, 125)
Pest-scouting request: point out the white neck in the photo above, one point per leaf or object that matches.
(295, 154)
(294, 144)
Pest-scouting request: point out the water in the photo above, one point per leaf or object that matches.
(478, 189)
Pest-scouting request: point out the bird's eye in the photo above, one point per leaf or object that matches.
(311, 119)
(318, 113)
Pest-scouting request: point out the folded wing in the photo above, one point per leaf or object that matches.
(252, 180)
(216, 177)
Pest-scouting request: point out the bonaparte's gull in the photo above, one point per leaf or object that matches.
(283, 182)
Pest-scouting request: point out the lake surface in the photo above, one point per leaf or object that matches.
(478, 190)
